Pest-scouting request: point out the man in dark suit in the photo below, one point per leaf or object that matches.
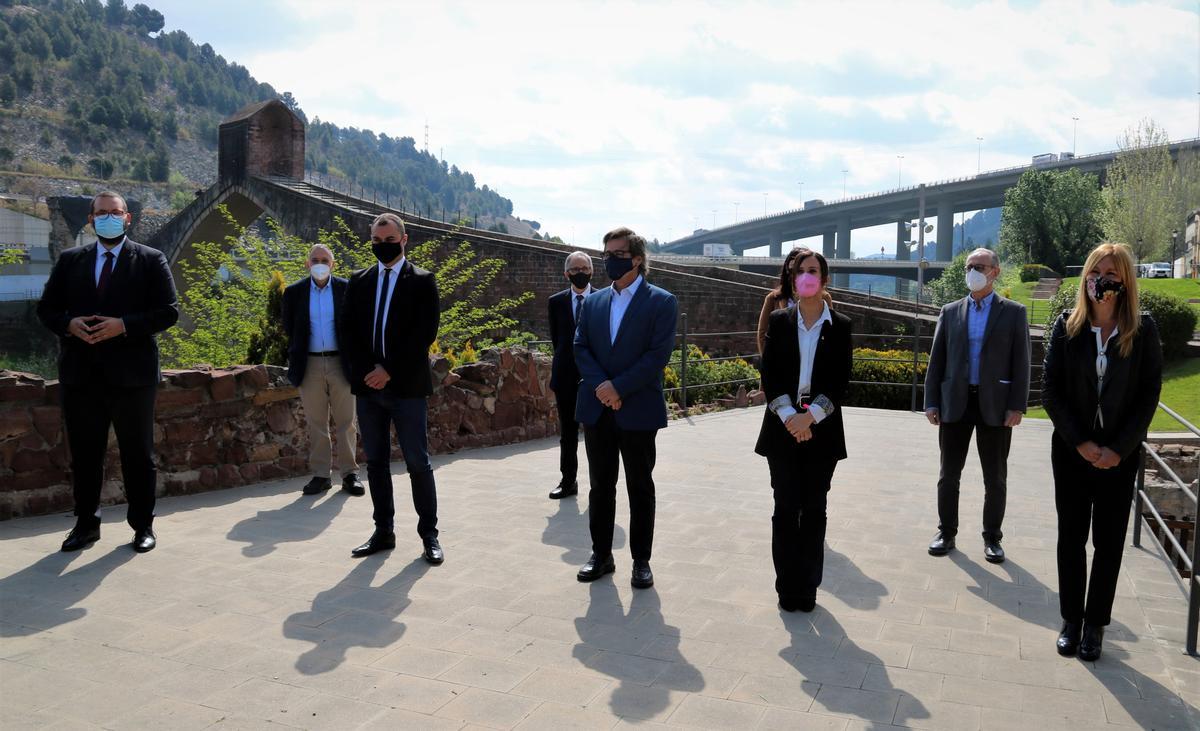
(564, 376)
(977, 380)
(624, 339)
(390, 320)
(321, 371)
(106, 301)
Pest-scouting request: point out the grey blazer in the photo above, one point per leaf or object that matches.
(1003, 362)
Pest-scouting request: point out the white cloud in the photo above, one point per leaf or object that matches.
(590, 114)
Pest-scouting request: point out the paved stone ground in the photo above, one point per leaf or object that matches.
(252, 614)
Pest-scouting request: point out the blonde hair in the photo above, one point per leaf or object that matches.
(1129, 317)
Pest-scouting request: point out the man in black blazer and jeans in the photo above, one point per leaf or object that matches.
(391, 319)
(565, 307)
(977, 381)
(106, 301)
(321, 371)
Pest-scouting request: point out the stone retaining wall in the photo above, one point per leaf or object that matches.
(218, 428)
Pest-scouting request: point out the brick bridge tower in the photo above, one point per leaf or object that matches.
(265, 139)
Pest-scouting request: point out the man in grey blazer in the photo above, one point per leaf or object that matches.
(977, 381)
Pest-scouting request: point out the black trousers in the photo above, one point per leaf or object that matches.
(88, 412)
(798, 525)
(605, 443)
(992, 443)
(1086, 497)
(377, 413)
(568, 455)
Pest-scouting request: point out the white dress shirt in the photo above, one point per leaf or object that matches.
(387, 297)
(807, 337)
(620, 303)
(100, 251)
(322, 336)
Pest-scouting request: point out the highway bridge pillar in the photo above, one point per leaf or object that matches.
(945, 230)
(843, 251)
(776, 244)
(827, 242)
(902, 253)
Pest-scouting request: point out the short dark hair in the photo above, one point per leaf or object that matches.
(637, 245)
(389, 217)
(109, 194)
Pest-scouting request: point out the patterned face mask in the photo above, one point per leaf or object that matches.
(1101, 289)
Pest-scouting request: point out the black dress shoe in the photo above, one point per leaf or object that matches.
(1068, 639)
(992, 551)
(564, 490)
(144, 540)
(595, 568)
(805, 603)
(380, 540)
(353, 485)
(433, 551)
(1090, 642)
(81, 536)
(643, 577)
(941, 544)
(317, 485)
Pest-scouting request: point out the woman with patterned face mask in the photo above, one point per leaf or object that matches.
(806, 371)
(1100, 386)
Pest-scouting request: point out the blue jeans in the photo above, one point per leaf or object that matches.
(377, 411)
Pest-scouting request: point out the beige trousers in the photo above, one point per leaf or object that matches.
(325, 392)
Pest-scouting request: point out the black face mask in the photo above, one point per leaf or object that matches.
(579, 280)
(617, 268)
(387, 251)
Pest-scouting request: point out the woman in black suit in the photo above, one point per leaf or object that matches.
(805, 373)
(1100, 386)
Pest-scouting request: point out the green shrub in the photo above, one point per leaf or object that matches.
(1175, 319)
(269, 345)
(896, 366)
(702, 371)
(1034, 272)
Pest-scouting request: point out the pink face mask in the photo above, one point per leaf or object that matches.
(807, 284)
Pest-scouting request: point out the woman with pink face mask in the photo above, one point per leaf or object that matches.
(805, 373)
(1100, 385)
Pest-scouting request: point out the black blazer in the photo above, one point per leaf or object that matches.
(411, 327)
(1131, 387)
(296, 324)
(781, 375)
(141, 292)
(563, 371)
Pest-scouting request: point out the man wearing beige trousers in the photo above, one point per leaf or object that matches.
(311, 309)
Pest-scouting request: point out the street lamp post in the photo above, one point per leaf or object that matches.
(899, 167)
(765, 204)
(978, 155)
(1074, 130)
(844, 173)
(1174, 238)
(801, 184)
(735, 211)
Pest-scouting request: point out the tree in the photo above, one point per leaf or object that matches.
(146, 19)
(1140, 199)
(8, 91)
(1052, 218)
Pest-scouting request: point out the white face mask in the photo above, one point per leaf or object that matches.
(976, 280)
(320, 272)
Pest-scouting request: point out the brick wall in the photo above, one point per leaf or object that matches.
(228, 427)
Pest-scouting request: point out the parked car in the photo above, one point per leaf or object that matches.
(1159, 270)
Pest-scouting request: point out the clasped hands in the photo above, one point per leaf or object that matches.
(96, 328)
(799, 425)
(377, 378)
(1102, 458)
(607, 394)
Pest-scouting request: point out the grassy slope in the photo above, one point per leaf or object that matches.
(1181, 391)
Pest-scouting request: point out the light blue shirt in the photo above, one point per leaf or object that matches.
(100, 250)
(322, 337)
(384, 299)
(977, 317)
(620, 303)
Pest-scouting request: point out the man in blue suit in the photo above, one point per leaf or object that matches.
(623, 341)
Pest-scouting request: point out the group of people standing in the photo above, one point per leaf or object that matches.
(358, 352)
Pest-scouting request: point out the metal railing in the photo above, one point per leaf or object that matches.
(1142, 502)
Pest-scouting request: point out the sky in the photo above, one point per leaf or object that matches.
(670, 116)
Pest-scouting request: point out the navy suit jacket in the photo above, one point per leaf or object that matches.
(296, 324)
(634, 362)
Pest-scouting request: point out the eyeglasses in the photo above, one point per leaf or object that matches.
(981, 268)
(618, 254)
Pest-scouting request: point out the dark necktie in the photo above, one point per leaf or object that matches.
(105, 273)
(578, 307)
(379, 310)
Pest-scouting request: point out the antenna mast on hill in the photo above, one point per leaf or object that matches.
(426, 135)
